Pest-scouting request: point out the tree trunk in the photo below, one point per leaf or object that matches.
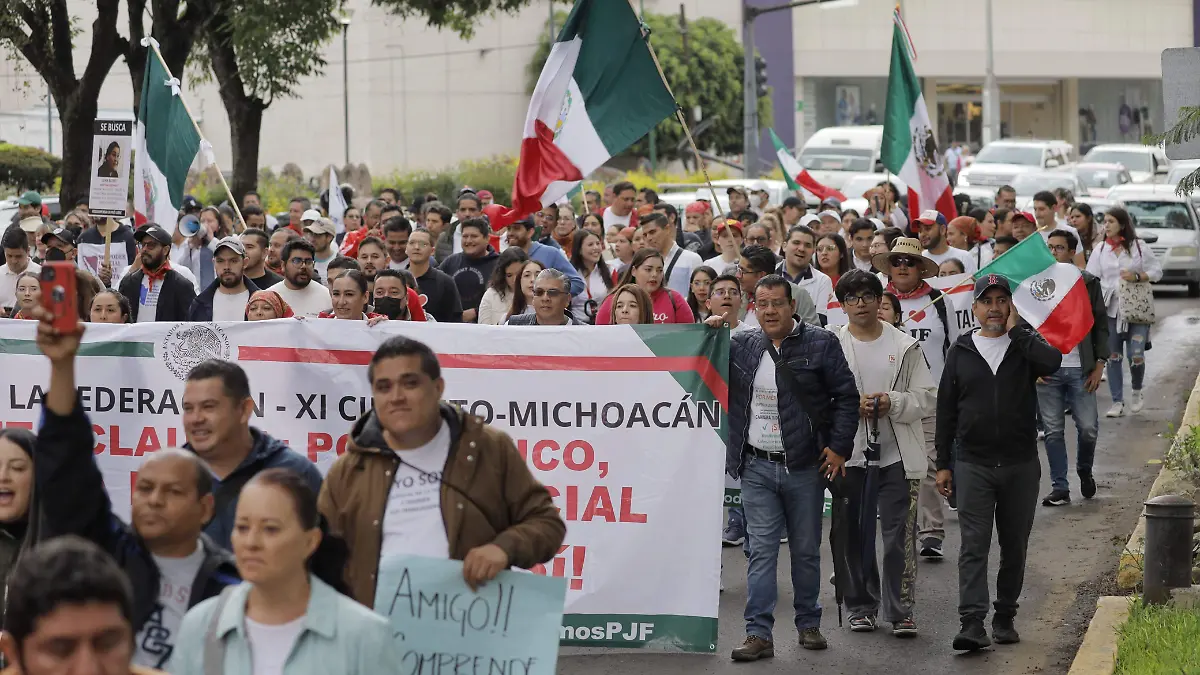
(78, 164)
(245, 130)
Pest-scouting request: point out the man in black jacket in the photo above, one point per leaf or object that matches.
(156, 292)
(987, 401)
(170, 563)
(226, 297)
(1074, 386)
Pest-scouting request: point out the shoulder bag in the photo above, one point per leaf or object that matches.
(1135, 300)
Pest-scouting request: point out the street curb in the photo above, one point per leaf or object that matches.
(1129, 568)
(1098, 653)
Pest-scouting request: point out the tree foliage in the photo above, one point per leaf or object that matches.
(1185, 129)
(707, 74)
(26, 168)
(460, 16)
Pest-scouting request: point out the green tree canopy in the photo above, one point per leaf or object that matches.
(707, 74)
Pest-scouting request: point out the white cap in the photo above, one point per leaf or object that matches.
(757, 186)
(311, 214)
(808, 220)
(703, 195)
(832, 214)
(877, 222)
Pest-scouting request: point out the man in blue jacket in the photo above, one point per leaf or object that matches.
(172, 566)
(793, 414)
(520, 234)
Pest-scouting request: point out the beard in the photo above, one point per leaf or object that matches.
(231, 281)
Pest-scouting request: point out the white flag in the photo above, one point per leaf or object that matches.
(337, 202)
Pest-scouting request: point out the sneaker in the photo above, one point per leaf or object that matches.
(1057, 498)
(733, 537)
(1041, 435)
(904, 628)
(1117, 410)
(972, 636)
(931, 549)
(753, 649)
(862, 624)
(1136, 401)
(1087, 485)
(811, 638)
(1003, 631)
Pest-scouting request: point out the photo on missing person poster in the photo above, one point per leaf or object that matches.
(111, 143)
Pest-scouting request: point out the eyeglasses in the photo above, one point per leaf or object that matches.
(758, 241)
(722, 293)
(826, 249)
(865, 298)
(1058, 248)
(551, 292)
(905, 261)
(306, 262)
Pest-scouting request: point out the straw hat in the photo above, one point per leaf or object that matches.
(905, 246)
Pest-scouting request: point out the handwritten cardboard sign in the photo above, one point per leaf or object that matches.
(511, 625)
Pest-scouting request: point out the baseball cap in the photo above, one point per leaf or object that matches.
(731, 224)
(757, 186)
(703, 195)
(190, 203)
(697, 207)
(155, 232)
(830, 213)
(321, 226)
(526, 222)
(877, 223)
(30, 198)
(739, 189)
(484, 194)
(931, 217)
(311, 214)
(808, 220)
(31, 224)
(991, 281)
(1024, 214)
(232, 243)
(62, 234)
(795, 203)
(832, 201)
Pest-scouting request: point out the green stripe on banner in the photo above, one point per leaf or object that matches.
(136, 350)
(666, 632)
(710, 344)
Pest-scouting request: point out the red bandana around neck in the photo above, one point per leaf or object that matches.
(158, 274)
(919, 291)
(1117, 243)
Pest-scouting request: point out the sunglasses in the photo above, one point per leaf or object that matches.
(905, 261)
(552, 292)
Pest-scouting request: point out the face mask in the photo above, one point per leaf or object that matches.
(392, 308)
(55, 254)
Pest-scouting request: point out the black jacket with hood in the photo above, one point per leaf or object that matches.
(66, 467)
(993, 416)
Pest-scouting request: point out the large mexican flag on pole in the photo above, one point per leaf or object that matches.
(166, 144)
(909, 147)
(1048, 294)
(797, 176)
(598, 93)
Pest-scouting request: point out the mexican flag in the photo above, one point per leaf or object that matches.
(797, 176)
(909, 148)
(598, 93)
(166, 144)
(1048, 294)
(337, 202)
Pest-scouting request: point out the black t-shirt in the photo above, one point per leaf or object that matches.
(470, 276)
(439, 296)
(267, 280)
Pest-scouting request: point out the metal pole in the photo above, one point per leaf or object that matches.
(991, 90)
(346, 88)
(1168, 547)
(653, 136)
(749, 89)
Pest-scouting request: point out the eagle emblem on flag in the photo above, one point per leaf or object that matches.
(925, 151)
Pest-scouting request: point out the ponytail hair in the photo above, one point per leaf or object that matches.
(328, 561)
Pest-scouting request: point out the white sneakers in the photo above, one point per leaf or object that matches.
(1136, 401)
(1117, 410)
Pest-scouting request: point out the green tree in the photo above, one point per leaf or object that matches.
(1186, 128)
(25, 168)
(707, 74)
(460, 16)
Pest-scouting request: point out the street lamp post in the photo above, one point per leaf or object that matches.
(344, 19)
(991, 90)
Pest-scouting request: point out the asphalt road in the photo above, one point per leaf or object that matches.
(1072, 557)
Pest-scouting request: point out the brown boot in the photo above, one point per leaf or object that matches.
(753, 649)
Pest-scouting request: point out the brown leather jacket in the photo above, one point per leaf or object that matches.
(507, 505)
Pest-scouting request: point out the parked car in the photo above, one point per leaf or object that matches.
(1146, 163)
(1181, 169)
(1156, 209)
(999, 162)
(1099, 178)
(833, 154)
(1033, 182)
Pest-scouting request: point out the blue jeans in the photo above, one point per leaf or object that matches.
(1134, 343)
(1061, 390)
(779, 502)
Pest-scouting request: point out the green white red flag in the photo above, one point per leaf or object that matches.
(797, 176)
(598, 93)
(166, 144)
(909, 147)
(1050, 295)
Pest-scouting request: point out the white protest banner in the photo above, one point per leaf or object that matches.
(957, 288)
(109, 193)
(91, 256)
(624, 425)
(510, 625)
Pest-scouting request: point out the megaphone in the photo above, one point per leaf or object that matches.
(189, 226)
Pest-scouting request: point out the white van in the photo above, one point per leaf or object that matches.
(834, 154)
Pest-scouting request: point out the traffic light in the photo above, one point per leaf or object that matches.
(760, 75)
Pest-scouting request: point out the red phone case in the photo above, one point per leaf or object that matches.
(58, 293)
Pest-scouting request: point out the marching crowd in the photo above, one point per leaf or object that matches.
(901, 410)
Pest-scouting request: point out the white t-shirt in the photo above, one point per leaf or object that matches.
(271, 645)
(923, 323)
(611, 218)
(412, 521)
(874, 363)
(720, 266)
(148, 301)
(681, 274)
(156, 640)
(765, 432)
(1063, 226)
(992, 349)
(400, 266)
(1072, 360)
(230, 306)
(864, 265)
(308, 301)
(968, 260)
(8, 283)
(322, 265)
(594, 290)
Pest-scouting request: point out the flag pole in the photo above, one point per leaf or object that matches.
(970, 279)
(153, 44)
(678, 112)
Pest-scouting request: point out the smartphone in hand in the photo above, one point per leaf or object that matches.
(58, 293)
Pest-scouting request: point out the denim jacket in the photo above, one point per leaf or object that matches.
(340, 637)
